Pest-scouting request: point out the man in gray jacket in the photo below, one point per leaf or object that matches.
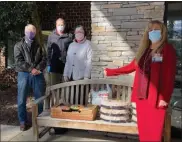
(57, 47)
(30, 61)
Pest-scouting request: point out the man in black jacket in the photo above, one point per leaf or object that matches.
(30, 61)
(57, 47)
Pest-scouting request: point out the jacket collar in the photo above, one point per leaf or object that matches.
(61, 36)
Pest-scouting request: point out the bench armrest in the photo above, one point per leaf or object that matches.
(39, 100)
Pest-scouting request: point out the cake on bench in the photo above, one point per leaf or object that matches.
(115, 111)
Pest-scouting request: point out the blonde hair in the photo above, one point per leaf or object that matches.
(145, 42)
(30, 27)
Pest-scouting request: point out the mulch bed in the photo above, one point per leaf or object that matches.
(8, 106)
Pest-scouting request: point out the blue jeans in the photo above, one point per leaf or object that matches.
(25, 82)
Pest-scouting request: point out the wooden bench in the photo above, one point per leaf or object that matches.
(122, 89)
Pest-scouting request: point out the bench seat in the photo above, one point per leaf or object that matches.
(45, 119)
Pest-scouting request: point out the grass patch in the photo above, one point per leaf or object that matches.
(45, 34)
(4, 87)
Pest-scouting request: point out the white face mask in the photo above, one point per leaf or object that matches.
(79, 36)
(60, 28)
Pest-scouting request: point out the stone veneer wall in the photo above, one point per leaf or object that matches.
(117, 28)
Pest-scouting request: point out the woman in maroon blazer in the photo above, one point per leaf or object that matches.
(155, 66)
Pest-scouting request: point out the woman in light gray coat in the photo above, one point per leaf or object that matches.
(79, 56)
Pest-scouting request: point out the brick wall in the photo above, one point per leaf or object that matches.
(117, 28)
(75, 13)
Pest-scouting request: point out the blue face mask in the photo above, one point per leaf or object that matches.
(155, 35)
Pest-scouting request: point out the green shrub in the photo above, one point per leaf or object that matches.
(4, 87)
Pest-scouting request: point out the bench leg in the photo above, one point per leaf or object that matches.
(167, 128)
(34, 122)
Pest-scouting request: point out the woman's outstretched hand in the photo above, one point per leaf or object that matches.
(162, 103)
(105, 72)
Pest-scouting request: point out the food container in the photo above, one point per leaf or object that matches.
(84, 113)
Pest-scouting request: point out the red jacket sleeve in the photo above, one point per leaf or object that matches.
(122, 70)
(168, 74)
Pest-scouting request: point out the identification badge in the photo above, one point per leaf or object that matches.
(157, 58)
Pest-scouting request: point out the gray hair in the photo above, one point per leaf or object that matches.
(30, 27)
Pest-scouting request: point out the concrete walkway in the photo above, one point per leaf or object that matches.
(8, 132)
(72, 136)
(12, 133)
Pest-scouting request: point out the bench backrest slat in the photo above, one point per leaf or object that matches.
(67, 94)
(72, 94)
(77, 94)
(118, 92)
(87, 92)
(123, 93)
(57, 95)
(63, 94)
(82, 94)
